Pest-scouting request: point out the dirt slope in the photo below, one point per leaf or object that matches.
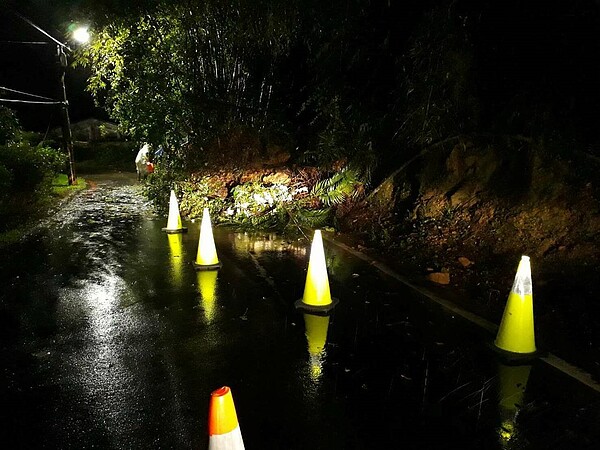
(461, 216)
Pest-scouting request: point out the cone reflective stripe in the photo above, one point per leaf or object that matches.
(317, 296)
(207, 284)
(316, 336)
(207, 258)
(516, 332)
(223, 427)
(174, 220)
(176, 249)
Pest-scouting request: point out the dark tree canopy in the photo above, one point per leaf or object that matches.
(369, 81)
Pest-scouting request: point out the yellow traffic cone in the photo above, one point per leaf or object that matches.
(316, 336)
(223, 427)
(174, 221)
(317, 297)
(207, 286)
(206, 258)
(176, 249)
(516, 332)
(512, 385)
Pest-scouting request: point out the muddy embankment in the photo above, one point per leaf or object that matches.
(460, 216)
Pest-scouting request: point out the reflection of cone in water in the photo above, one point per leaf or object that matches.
(516, 333)
(176, 249)
(511, 390)
(316, 335)
(207, 287)
(206, 258)
(317, 297)
(223, 427)
(174, 220)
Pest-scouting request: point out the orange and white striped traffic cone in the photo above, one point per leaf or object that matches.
(223, 427)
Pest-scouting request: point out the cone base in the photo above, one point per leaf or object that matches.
(216, 266)
(513, 358)
(175, 231)
(319, 310)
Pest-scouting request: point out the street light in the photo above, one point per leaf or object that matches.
(81, 35)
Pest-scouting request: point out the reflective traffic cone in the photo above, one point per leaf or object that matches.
(207, 287)
(316, 336)
(511, 390)
(317, 297)
(516, 333)
(176, 249)
(223, 427)
(174, 221)
(206, 258)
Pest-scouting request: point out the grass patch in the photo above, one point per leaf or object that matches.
(27, 217)
(61, 188)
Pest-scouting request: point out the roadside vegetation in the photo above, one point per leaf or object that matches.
(30, 178)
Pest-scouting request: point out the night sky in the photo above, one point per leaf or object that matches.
(33, 68)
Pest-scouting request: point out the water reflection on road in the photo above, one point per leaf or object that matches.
(111, 339)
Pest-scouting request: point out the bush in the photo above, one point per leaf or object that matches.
(97, 157)
(9, 126)
(158, 187)
(26, 175)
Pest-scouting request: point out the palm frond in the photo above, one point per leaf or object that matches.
(333, 191)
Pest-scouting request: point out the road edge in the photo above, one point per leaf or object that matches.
(552, 360)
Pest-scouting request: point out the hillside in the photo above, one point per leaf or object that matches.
(462, 214)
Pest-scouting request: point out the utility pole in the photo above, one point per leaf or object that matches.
(66, 122)
(62, 68)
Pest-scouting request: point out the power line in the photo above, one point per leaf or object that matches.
(25, 93)
(45, 33)
(9, 100)
(26, 42)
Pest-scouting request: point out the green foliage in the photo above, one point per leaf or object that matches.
(334, 190)
(252, 199)
(343, 136)
(437, 80)
(302, 217)
(31, 168)
(9, 126)
(259, 206)
(26, 172)
(158, 187)
(98, 157)
(256, 204)
(198, 195)
(186, 69)
(26, 175)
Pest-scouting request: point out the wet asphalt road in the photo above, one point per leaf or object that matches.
(111, 340)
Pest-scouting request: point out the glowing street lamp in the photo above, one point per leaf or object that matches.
(81, 35)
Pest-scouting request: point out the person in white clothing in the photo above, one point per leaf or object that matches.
(141, 162)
